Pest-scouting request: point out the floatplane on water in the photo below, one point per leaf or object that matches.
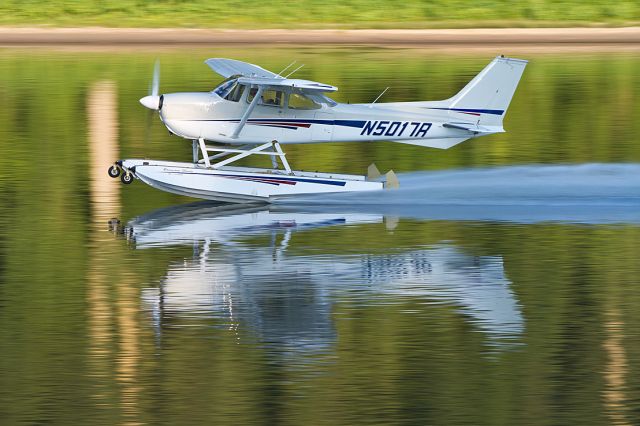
(255, 111)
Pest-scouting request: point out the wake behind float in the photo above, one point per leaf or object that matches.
(255, 112)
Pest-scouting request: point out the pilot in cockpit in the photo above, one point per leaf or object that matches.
(263, 100)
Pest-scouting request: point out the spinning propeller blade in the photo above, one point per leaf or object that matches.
(155, 85)
(153, 101)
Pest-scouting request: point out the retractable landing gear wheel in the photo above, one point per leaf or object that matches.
(114, 171)
(126, 178)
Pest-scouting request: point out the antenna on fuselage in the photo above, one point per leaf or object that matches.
(379, 96)
(285, 68)
(287, 76)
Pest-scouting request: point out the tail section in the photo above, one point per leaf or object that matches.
(488, 95)
(477, 110)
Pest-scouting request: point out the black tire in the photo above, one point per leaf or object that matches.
(126, 178)
(114, 171)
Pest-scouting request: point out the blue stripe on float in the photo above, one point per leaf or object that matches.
(290, 179)
(274, 177)
(325, 182)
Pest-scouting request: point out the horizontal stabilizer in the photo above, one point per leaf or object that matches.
(474, 128)
(443, 143)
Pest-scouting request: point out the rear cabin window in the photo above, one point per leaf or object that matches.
(299, 101)
(269, 97)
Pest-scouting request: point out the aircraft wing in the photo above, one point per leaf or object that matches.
(254, 75)
(231, 67)
(302, 85)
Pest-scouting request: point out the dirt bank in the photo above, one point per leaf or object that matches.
(11, 36)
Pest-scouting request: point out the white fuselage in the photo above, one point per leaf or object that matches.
(208, 116)
(256, 106)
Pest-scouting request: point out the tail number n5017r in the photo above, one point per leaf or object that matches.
(412, 129)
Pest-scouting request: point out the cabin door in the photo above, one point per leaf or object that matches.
(322, 128)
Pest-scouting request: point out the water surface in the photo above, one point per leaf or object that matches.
(499, 285)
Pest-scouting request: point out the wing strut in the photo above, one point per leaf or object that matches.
(247, 113)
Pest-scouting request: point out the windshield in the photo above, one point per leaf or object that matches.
(321, 99)
(225, 87)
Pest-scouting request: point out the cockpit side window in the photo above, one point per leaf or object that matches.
(235, 93)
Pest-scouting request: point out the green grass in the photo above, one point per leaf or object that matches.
(319, 13)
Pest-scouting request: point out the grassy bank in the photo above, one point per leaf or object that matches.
(319, 13)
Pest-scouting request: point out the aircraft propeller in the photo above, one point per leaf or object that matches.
(153, 101)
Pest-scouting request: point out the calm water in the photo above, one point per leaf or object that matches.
(499, 285)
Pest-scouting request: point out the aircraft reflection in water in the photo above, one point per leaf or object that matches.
(287, 299)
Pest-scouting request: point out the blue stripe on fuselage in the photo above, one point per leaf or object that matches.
(473, 111)
(346, 123)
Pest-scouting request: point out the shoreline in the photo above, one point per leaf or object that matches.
(99, 36)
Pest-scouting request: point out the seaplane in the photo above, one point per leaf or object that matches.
(256, 112)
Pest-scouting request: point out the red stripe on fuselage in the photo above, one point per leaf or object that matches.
(281, 123)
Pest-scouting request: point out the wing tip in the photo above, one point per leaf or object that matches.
(508, 59)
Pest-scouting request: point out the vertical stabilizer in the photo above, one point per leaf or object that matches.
(488, 95)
